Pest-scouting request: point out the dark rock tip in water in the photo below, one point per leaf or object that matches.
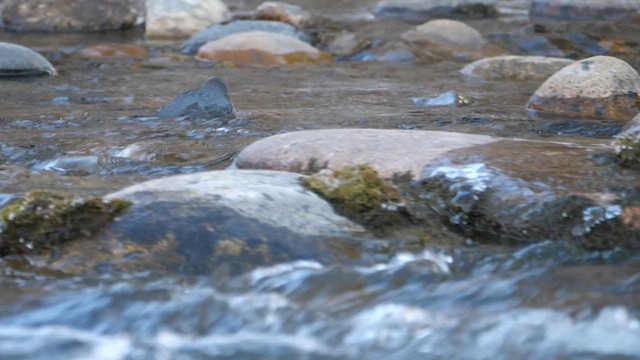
(208, 101)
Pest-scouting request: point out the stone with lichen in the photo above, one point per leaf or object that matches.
(43, 220)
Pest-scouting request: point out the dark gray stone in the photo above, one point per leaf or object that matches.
(208, 101)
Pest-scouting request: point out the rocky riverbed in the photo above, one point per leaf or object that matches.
(321, 179)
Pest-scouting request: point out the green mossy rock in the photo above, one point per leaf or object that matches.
(357, 192)
(44, 219)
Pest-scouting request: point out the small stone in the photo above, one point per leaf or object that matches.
(262, 49)
(449, 39)
(425, 9)
(115, 50)
(216, 32)
(515, 67)
(69, 15)
(445, 99)
(17, 60)
(210, 100)
(386, 151)
(599, 87)
(283, 12)
(178, 19)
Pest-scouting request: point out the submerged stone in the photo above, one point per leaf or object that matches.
(115, 50)
(448, 98)
(515, 67)
(611, 19)
(178, 19)
(216, 32)
(69, 15)
(262, 49)
(17, 60)
(449, 39)
(385, 151)
(424, 9)
(210, 100)
(44, 220)
(627, 144)
(600, 87)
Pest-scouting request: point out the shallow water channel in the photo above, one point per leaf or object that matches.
(478, 301)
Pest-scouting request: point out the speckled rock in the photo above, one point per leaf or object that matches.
(515, 191)
(283, 12)
(424, 9)
(69, 15)
(449, 39)
(600, 87)
(210, 100)
(611, 19)
(179, 19)
(216, 32)
(17, 60)
(515, 67)
(386, 151)
(262, 49)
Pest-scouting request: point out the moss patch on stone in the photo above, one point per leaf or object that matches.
(627, 147)
(359, 193)
(45, 219)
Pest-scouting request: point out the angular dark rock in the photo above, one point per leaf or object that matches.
(208, 101)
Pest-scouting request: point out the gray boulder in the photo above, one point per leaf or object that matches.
(515, 67)
(16, 60)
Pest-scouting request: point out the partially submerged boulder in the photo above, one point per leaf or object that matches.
(216, 32)
(627, 143)
(515, 67)
(261, 48)
(599, 87)
(425, 9)
(69, 15)
(179, 19)
(17, 60)
(385, 151)
(210, 100)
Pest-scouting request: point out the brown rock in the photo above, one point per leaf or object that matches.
(515, 67)
(115, 50)
(69, 15)
(600, 87)
(283, 12)
(386, 151)
(262, 49)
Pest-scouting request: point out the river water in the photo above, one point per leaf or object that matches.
(478, 301)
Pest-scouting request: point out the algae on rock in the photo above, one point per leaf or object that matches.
(627, 147)
(45, 219)
(357, 192)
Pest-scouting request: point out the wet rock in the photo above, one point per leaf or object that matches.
(449, 39)
(44, 220)
(600, 87)
(92, 165)
(210, 100)
(515, 67)
(346, 44)
(386, 151)
(178, 19)
(16, 60)
(216, 32)
(69, 15)
(448, 98)
(421, 9)
(115, 50)
(613, 19)
(235, 220)
(262, 49)
(394, 52)
(499, 192)
(283, 12)
(627, 143)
